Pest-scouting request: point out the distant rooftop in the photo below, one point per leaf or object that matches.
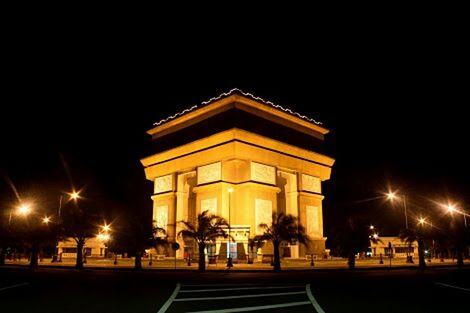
(246, 94)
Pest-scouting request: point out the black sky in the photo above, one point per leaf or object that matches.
(396, 110)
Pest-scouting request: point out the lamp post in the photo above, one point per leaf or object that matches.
(73, 196)
(451, 209)
(459, 234)
(422, 221)
(229, 259)
(420, 239)
(406, 215)
(56, 248)
(104, 237)
(24, 210)
(391, 196)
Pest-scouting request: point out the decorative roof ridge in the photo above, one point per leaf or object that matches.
(246, 94)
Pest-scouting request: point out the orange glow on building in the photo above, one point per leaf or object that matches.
(237, 147)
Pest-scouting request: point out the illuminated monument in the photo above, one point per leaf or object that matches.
(266, 155)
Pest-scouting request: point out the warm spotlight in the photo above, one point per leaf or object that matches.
(106, 227)
(24, 210)
(451, 208)
(391, 196)
(74, 195)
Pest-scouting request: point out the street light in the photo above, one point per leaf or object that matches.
(104, 236)
(24, 210)
(371, 227)
(421, 221)
(106, 228)
(392, 196)
(229, 259)
(46, 220)
(451, 209)
(74, 195)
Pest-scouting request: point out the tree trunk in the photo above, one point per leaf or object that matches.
(34, 255)
(409, 256)
(277, 257)
(422, 263)
(460, 256)
(3, 253)
(80, 245)
(138, 260)
(202, 257)
(352, 260)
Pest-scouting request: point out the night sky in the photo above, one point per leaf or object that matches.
(396, 114)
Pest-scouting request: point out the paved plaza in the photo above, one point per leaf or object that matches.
(58, 290)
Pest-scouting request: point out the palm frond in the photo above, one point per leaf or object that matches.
(189, 226)
(208, 228)
(187, 234)
(285, 227)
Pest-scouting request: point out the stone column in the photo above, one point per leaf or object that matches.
(182, 206)
(310, 216)
(292, 204)
(164, 208)
(264, 203)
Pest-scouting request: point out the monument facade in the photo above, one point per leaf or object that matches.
(242, 158)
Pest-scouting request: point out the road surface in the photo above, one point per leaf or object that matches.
(399, 290)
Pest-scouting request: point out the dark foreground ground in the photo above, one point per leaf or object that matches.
(397, 290)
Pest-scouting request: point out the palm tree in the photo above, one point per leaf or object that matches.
(283, 228)
(254, 244)
(207, 229)
(159, 238)
(411, 235)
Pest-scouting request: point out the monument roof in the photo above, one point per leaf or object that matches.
(240, 100)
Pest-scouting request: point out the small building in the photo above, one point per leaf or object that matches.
(93, 248)
(394, 245)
